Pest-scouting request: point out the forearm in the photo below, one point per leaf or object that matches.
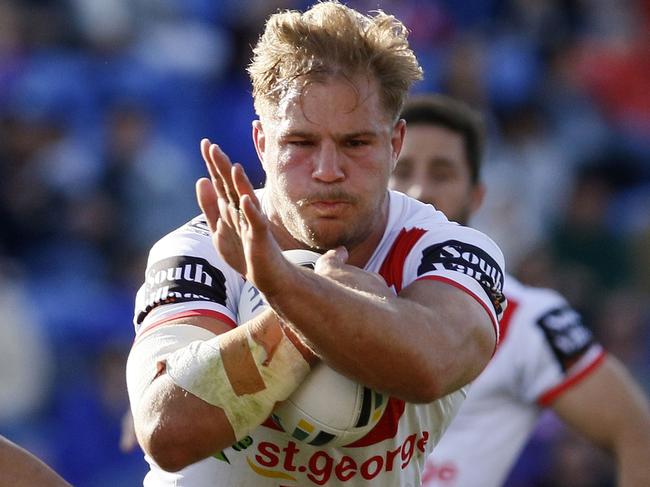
(632, 445)
(611, 410)
(209, 393)
(388, 342)
(632, 459)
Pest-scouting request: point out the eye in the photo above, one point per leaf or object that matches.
(357, 143)
(442, 175)
(300, 143)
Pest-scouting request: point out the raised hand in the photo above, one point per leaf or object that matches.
(240, 231)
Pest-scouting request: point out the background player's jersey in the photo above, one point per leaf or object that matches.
(186, 277)
(544, 350)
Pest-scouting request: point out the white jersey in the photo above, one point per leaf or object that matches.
(545, 349)
(186, 277)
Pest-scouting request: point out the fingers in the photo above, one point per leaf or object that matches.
(220, 163)
(251, 218)
(207, 199)
(229, 181)
(205, 152)
(243, 185)
(234, 214)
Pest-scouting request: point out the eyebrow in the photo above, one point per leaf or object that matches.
(362, 133)
(441, 160)
(312, 135)
(296, 133)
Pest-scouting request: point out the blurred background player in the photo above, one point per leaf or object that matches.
(547, 356)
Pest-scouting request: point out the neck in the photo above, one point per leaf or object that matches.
(360, 254)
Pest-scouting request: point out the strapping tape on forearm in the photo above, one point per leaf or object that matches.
(202, 369)
(141, 367)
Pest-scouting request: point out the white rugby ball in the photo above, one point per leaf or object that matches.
(327, 409)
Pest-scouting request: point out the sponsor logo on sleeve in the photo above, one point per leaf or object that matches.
(181, 279)
(199, 225)
(566, 333)
(470, 260)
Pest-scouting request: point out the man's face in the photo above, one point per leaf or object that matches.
(328, 152)
(433, 168)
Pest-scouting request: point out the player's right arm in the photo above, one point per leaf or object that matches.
(198, 382)
(172, 426)
(223, 383)
(588, 388)
(610, 409)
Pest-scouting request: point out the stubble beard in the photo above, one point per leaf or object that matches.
(348, 234)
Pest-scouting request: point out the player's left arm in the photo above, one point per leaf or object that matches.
(420, 345)
(610, 409)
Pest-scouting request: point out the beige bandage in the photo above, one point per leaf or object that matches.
(208, 369)
(142, 365)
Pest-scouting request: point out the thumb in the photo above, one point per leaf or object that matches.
(334, 258)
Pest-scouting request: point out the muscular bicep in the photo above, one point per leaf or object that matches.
(155, 399)
(459, 330)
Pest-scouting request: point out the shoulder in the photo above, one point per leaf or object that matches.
(411, 217)
(192, 237)
(544, 315)
(424, 244)
(532, 301)
(185, 272)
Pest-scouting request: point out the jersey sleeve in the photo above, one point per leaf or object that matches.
(556, 349)
(464, 258)
(185, 276)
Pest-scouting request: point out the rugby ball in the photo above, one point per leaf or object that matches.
(327, 409)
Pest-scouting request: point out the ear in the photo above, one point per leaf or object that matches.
(476, 197)
(259, 140)
(396, 141)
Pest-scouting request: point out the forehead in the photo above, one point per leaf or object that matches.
(335, 104)
(429, 144)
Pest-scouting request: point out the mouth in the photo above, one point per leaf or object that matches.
(329, 208)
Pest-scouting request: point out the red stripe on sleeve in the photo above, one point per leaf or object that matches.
(392, 269)
(552, 394)
(506, 319)
(186, 314)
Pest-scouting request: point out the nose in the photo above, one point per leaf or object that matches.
(327, 164)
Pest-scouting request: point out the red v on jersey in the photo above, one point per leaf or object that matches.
(392, 272)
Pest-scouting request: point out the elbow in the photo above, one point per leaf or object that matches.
(167, 445)
(436, 380)
(423, 394)
(175, 441)
(167, 455)
(430, 390)
(425, 388)
(176, 429)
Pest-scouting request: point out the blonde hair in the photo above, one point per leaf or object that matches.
(331, 39)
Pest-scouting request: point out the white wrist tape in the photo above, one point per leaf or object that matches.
(199, 369)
